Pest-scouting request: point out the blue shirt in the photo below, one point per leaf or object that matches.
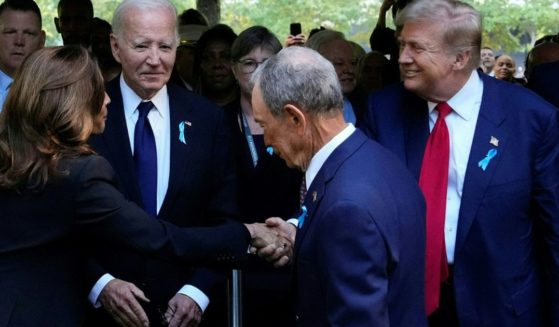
(349, 114)
(5, 83)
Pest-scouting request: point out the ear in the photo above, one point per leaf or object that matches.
(234, 70)
(43, 39)
(462, 59)
(56, 24)
(295, 118)
(115, 48)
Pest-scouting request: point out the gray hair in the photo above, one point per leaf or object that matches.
(462, 24)
(143, 5)
(322, 37)
(301, 77)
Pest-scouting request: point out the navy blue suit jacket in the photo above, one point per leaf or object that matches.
(358, 258)
(508, 212)
(201, 189)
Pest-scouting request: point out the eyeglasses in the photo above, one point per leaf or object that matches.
(248, 66)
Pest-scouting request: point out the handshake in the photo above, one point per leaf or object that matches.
(273, 240)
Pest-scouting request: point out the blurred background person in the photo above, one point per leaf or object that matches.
(20, 35)
(75, 21)
(333, 46)
(384, 39)
(101, 48)
(192, 16)
(487, 60)
(372, 72)
(213, 65)
(267, 187)
(542, 53)
(542, 70)
(505, 69)
(192, 24)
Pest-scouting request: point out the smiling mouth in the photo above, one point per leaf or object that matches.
(410, 73)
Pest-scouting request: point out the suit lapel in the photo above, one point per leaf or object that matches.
(476, 180)
(180, 112)
(416, 131)
(116, 140)
(318, 187)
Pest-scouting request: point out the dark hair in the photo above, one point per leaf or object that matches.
(22, 5)
(86, 3)
(255, 36)
(48, 115)
(192, 17)
(219, 32)
(99, 23)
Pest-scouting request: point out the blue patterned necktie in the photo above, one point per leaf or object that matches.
(145, 158)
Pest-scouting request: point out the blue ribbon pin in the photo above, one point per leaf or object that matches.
(181, 133)
(483, 163)
(302, 216)
(270, 150)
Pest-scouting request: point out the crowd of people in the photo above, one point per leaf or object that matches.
(413, 185)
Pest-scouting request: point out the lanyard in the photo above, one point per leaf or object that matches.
(250, 140)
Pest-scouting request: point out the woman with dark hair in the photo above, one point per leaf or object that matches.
(58, 199)
(267, 187)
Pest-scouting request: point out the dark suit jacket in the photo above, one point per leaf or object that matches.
(43, 237)
(359, 101)
(498, 275)
(544, 80)
(201, 188)
(358, 258)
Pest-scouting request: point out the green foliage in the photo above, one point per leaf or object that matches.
(509, 25)
(102, 9)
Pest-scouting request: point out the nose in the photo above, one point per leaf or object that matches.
(154, 57)
(348, 67)
(220, 62)
(19, 39)
(405, 56)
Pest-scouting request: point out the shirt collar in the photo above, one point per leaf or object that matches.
(467, 98)
(130, 100)
(322, 155)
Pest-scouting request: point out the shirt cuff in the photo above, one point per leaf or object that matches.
(195, 294)
(293, 221)
(98, 288)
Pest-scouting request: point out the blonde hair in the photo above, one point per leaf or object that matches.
(48, 115)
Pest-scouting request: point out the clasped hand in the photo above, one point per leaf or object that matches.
(273, 241)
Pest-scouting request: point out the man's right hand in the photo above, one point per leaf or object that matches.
(120, 299)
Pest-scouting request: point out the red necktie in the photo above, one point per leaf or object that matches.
(433, 181)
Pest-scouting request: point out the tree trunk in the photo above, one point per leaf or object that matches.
(211, 9)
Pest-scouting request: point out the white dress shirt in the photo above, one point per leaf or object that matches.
(320, 158)
(322, 155)
(461, 123)
(160, 122)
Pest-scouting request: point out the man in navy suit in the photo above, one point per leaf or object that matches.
(358, 254)
(500, 224)
(195, 181)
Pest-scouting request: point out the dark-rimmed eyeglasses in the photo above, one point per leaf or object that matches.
(248, 66)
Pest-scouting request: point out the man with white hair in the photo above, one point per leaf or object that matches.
(359, 244)
(170, 151)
